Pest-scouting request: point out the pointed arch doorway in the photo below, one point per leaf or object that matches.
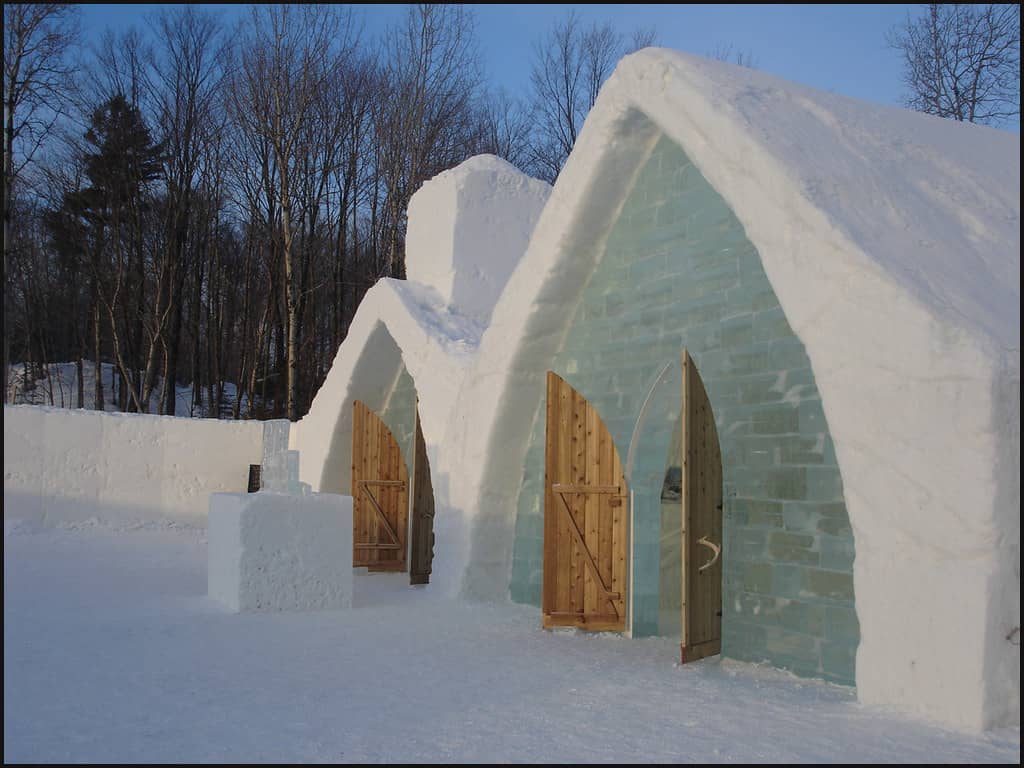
(392, 524)
(586, 517)
(701, 500)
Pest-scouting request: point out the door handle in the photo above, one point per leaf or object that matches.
(714, 548)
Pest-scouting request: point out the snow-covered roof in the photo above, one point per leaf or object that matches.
(397, 324)
(892, 240)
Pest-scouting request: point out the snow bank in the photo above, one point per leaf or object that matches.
(276, 552)
(59, 388)
(468, 228)
(70, 466)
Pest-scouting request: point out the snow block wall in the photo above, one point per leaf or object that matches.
(278, 552)
(71, 466)
(678, 272)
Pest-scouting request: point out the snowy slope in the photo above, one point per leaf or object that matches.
(99, 667)
(59, 388)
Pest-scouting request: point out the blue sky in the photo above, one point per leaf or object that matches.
(839, 48)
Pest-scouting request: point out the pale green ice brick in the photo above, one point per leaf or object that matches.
(755, 513)
(811, 418)
(824, 484)
(832, 585)
(841, 624)
(527, 593)
(793, 548)
(787, 580)
(747, 544)
(770, 324)
(801, 516)
(793, 650)
(781, 420)
(746, 640)
(806, 618)
(835, 526)
(838, 662)
(756, 577)
(836, 553)
(786, 353)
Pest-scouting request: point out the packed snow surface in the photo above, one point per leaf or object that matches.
(113, 653)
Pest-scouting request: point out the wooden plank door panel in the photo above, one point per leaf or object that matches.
(585, 516)
(380, 494)
(422, 545)
(702, 521)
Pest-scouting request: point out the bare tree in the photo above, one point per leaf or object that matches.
(570, 65)
(425, 113)
(187, 92)
(642, 38)
(286, 64)
(560, 107)
(962, 61)
(37, 40)
(725, 52)
(506, 127)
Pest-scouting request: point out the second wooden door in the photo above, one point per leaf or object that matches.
(702, 521)
(380, 494)
(586, 516)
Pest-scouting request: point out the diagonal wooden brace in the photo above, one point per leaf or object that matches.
(365, 487)
(610, 596)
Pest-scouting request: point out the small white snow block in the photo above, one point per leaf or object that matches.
(468, 228)
(279, 552)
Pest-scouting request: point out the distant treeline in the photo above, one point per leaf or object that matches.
(202, 203)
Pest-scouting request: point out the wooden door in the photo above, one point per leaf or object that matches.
(702, 521)
(380, 497)
(586, 517)
(422, 546)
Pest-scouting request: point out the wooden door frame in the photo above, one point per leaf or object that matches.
(711, 647)
(362, 490)
(412, 487)
(367, 492)
(561, 492)
(419, 577)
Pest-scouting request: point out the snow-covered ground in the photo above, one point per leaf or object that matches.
(114, 653)
(59, 388)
